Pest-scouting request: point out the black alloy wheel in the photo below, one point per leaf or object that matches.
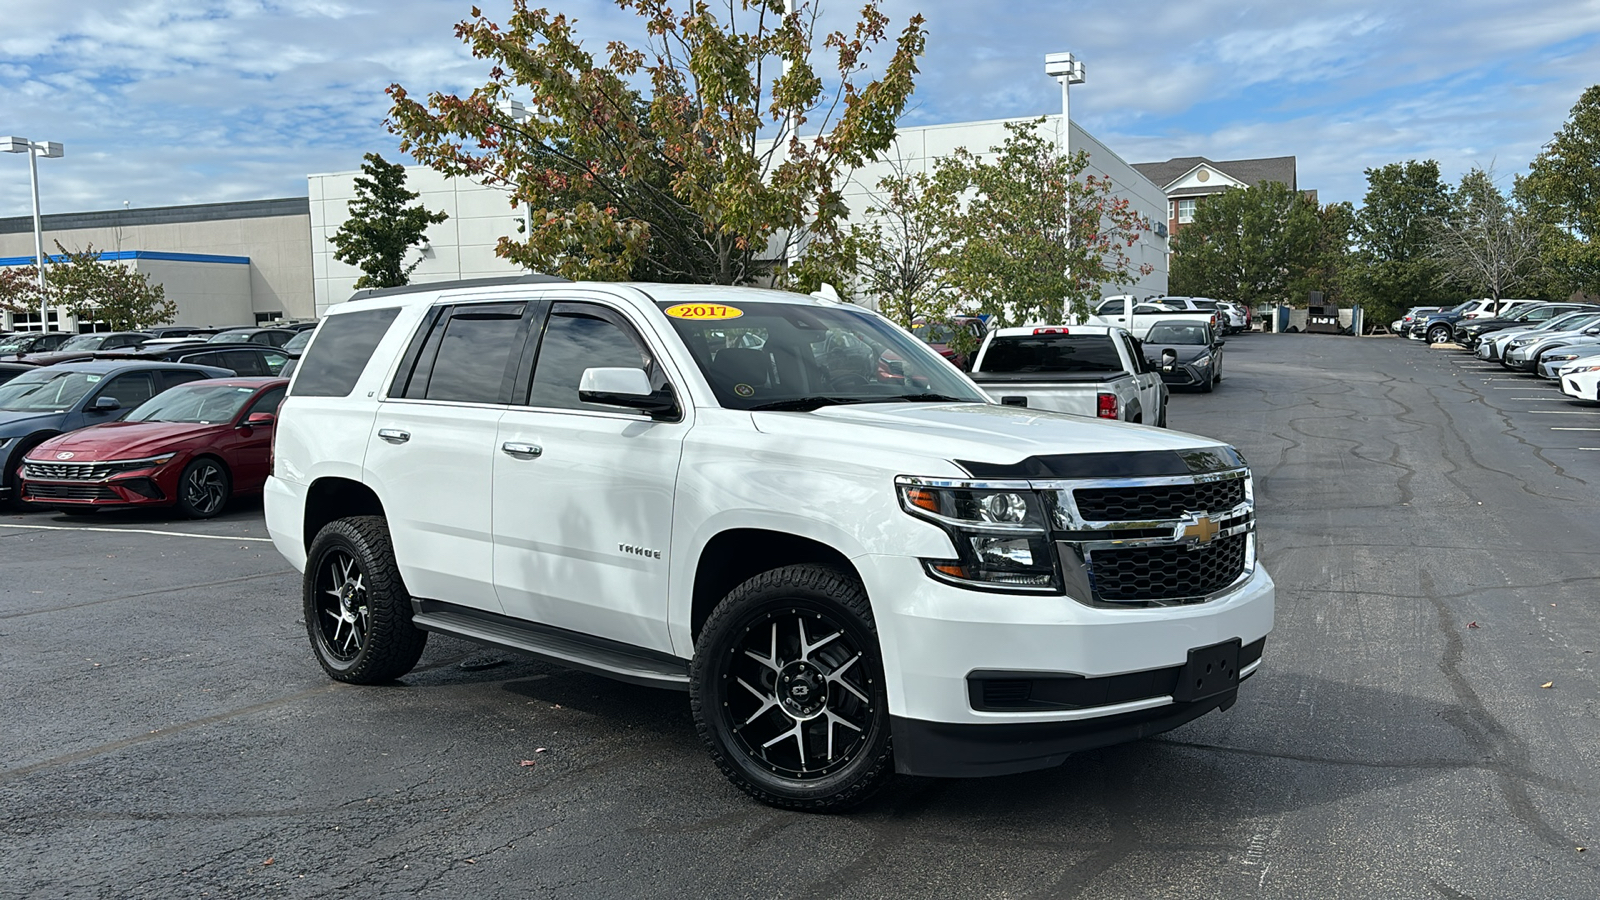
(204, 488)
(357, 611)
(787, 690)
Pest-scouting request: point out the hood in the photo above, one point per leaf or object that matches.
(978, 432)
(19, 422)
(126, 440)
(1186, 352)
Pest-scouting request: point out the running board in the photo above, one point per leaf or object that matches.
(612, 659)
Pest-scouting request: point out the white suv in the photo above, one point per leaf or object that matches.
(852, 560)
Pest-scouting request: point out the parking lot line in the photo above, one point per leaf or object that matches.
(1572, 428)
(1541, 399)
(1561, 412)
(205, 537)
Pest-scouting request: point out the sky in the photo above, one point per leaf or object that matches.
(164, 103)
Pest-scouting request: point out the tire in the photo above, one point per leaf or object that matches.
(1211, 382)
(1438, 334)
(358, 613)
(1162, 421)
(204, 488)
(12, 463)
(756, 640)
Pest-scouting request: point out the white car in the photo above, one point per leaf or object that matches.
(1581, 378)
(853, 562)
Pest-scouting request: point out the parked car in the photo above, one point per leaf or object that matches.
(1492, 346)
(36, 406)
(1401, 325)
(1439, 327)
(1082, 370)
(1580, 379)
(272, 337)
(1238, 316)
(297, 344)
(852, 569)
(247, 360)
(1138, 316)
(1469, 331)
(942, 334)
(85, 346)
(1187, 354)
(1553, 358)
(10, 370)
(1522, 354)
(176, 331)
(28, 342)
(194, 447)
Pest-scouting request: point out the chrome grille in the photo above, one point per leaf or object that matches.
(67, 471)
(1167, 501)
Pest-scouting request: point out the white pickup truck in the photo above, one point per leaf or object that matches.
(852, 561)
(1082, 370)
(1137, 316)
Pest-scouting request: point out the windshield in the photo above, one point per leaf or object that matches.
(1178, 333)
(1052, 353)
(197, 404)
(13, 345)
(230, 337)
(763, 355)
(83, 342)
(49, 390)
(298, 342)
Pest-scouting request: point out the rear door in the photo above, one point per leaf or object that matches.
(584, 492)
(430, 452)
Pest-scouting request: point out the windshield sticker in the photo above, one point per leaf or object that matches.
(744, 390)
(92, 378)
(704, 311)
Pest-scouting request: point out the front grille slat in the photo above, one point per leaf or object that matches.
(38, 491)
(67, 471)
(1166, 573)
(1139, 503)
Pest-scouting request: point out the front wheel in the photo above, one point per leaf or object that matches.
(204, 488)
(787, 690)
(358, 613)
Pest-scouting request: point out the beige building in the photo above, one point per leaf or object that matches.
(223, 263)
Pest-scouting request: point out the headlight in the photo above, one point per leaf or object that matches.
(1201, 360)
(1576, 370)
(1000, 535)
(129, 465)
(1521, 342)
(1559, 357)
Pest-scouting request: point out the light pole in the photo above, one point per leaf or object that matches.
(520, 113)
(1067, 71)
(36, 149)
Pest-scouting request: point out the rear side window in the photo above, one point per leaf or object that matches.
(1052, 353)
(466, 355)
(343, 347)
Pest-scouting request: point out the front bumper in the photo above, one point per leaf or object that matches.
(140, 488)
(1551, 368)
(1185, 375)
(1580, 387)
(936, 636)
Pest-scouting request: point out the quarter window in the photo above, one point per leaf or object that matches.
(339, 356)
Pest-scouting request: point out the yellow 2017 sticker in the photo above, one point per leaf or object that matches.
(704, 311)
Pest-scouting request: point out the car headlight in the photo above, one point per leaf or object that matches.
(1521, 342)
(1559, 357)
(1576, 370)
(1203, 359)
(130, 465)
(1001, 536)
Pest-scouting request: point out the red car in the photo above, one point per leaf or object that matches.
(941, 335)
(195, 446)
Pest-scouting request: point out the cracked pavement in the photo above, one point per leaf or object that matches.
(1433, 535)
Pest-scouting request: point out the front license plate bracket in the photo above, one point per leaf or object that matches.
(1210, 671)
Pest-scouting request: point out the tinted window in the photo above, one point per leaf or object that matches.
(582, 336)
(211, 358)
(131, 389)
(273, 361)
(1111, 308)
(244, 362)
(1052, 353)
(175, 377)
(341, 353)
(474, 349)
(268, 402)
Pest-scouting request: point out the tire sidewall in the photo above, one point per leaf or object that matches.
(709, 686)
(389, 609)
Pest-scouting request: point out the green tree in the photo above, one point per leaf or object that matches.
(1252, 245)
(1034, 237)
(1486, 245)
(1562, 193)
(656, 160)
(1328, 269)
(87, 287)
(1394, 267)
(381, 227)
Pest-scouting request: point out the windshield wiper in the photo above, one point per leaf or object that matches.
(924, 398)
(805, 404)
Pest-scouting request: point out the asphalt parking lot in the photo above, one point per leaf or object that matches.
(1430, 521)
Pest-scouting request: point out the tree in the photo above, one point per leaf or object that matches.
(88, 287)
(1251, 245)
(1486, 245)
(1329, 266)
(19, 289)
(1394, 268)
(1562, 193)
(1034, 237)
(381, 227)
(676, 183)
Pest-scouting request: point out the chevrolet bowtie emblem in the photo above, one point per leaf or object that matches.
(1201, 531)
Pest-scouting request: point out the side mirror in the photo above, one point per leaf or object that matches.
(1221, 342)
(106, 404)
(628, 388)
(260, 420)
(1169, 358)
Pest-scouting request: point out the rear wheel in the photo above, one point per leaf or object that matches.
(1438, 334)
(358, 613)
(787, 690)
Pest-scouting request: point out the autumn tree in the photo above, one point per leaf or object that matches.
(1255, 245)
(382, 228)
(19, 290)
(1035, 237)
(1561, 192)
(1486, 245)
(85, 286)
(703, 154)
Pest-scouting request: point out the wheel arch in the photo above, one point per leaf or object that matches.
(736, 555)
(333, 497)
(13, 458)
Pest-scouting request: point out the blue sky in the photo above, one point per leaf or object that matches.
(160, 103)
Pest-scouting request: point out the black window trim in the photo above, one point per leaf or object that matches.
(436, 320)
(617, 314)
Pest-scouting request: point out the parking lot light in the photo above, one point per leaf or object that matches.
(36, 149)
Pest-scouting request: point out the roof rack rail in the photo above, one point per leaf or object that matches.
(534, 278)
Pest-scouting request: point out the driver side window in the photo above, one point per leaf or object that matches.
(582, 336)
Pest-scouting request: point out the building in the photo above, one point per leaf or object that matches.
(222, 263)
(463, 246)
(1188, 180)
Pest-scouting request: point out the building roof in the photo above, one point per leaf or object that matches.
(162, 215)
(1250, 171)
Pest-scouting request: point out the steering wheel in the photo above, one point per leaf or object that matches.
(847, 380)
